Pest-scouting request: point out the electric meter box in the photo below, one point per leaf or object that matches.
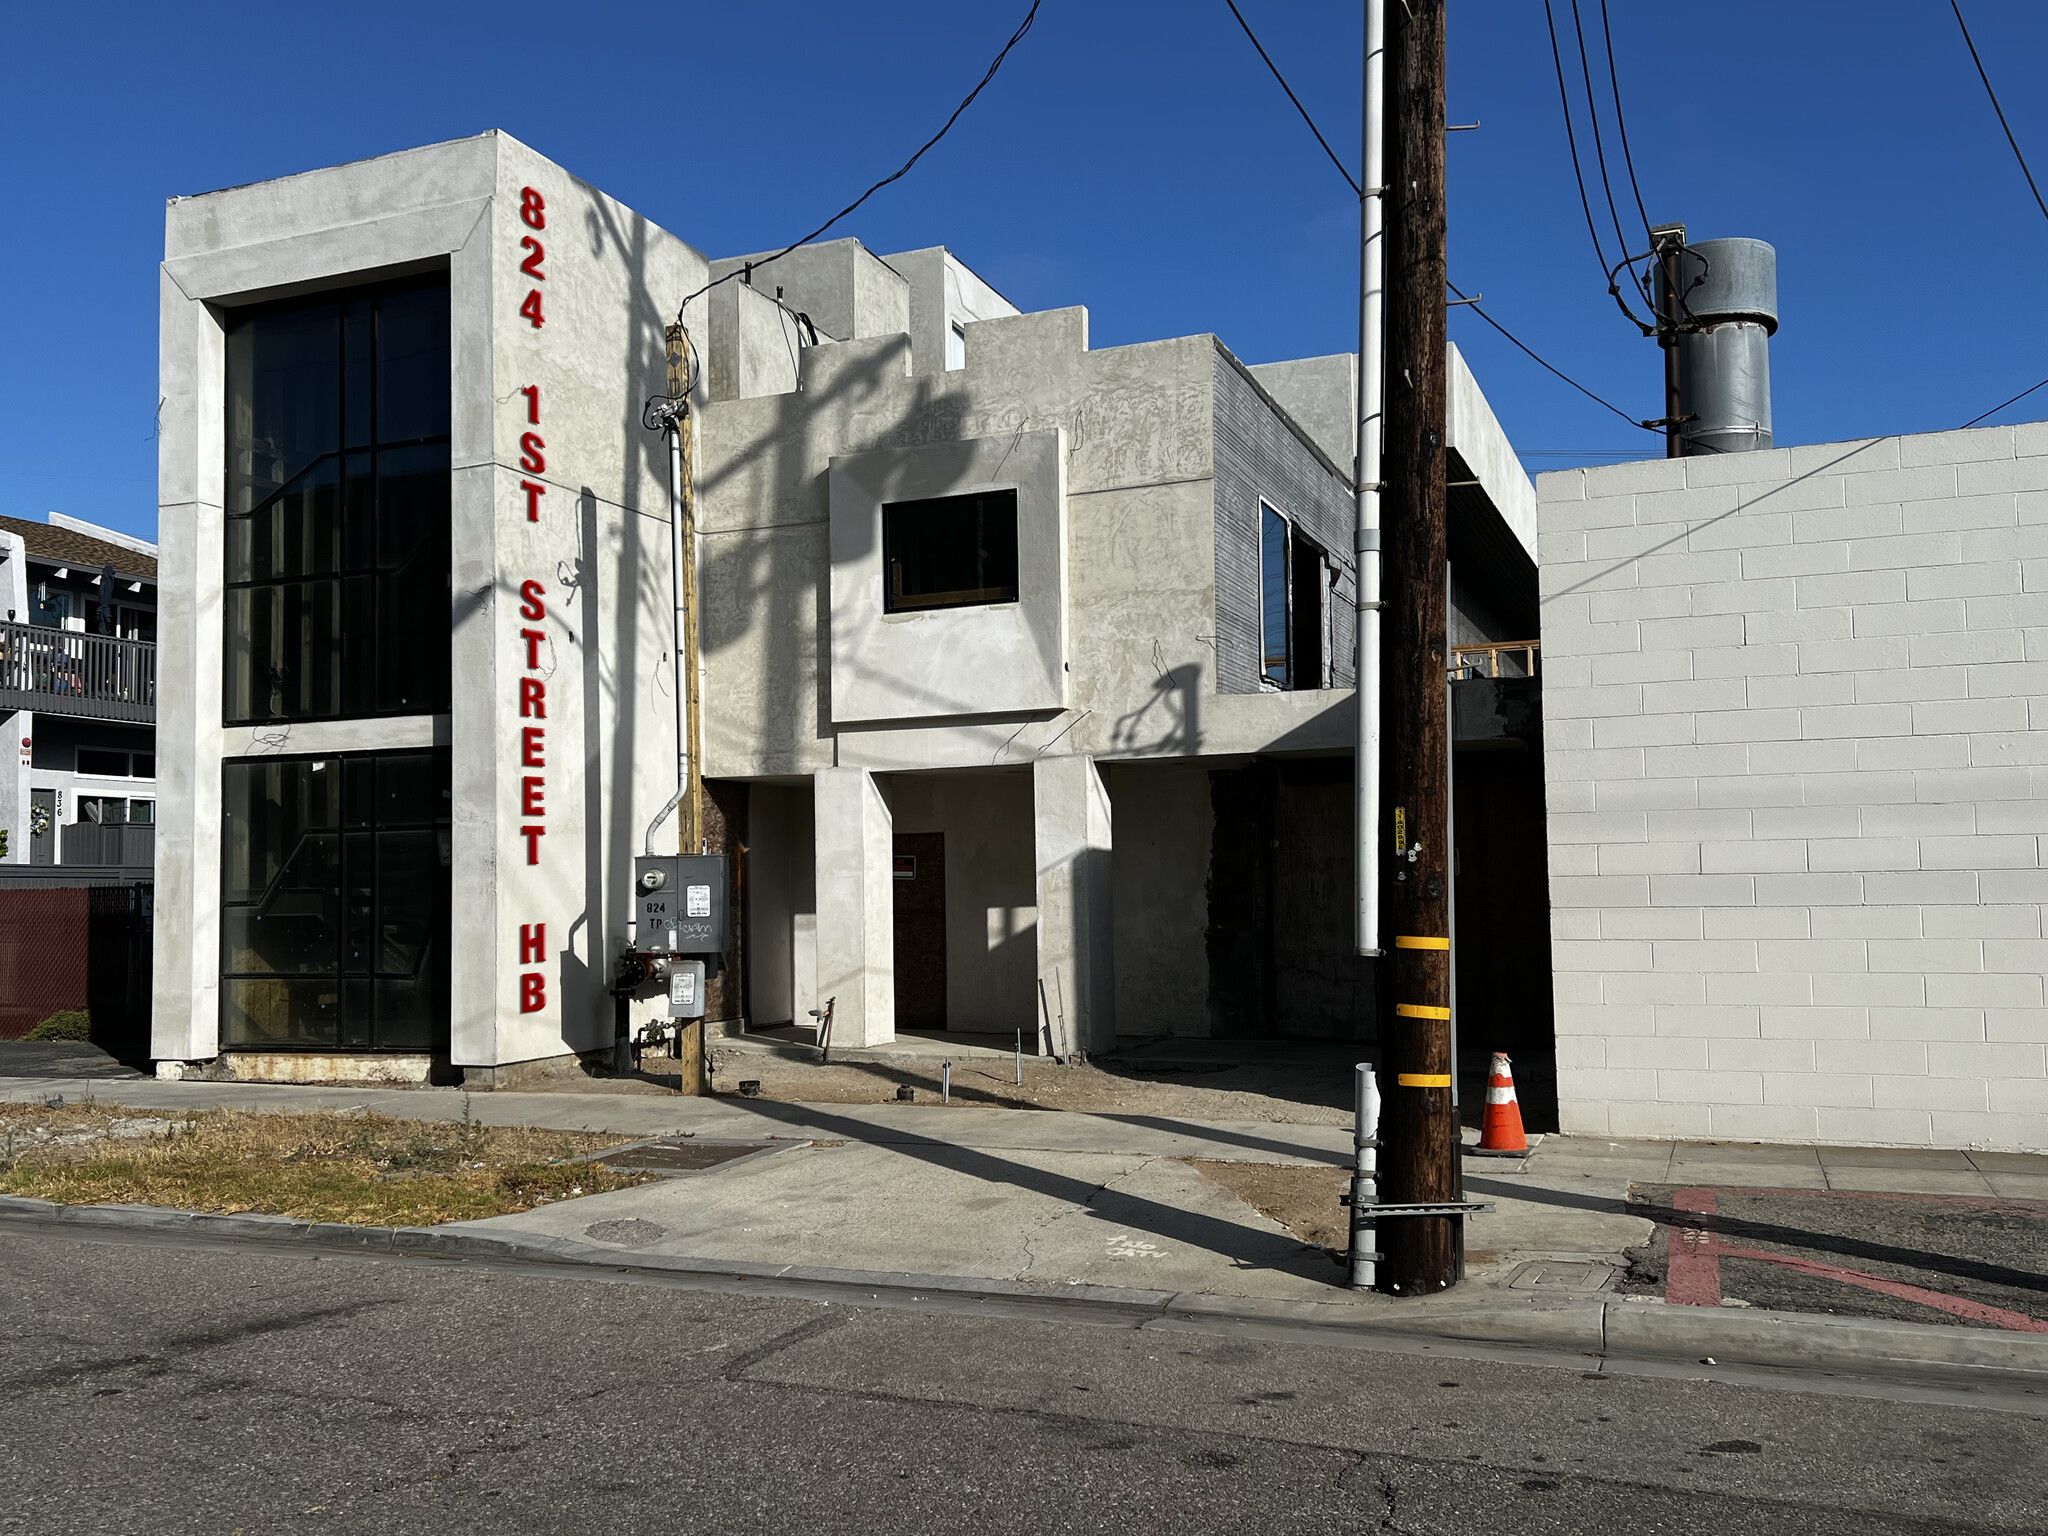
(679, 904)
(686, 990)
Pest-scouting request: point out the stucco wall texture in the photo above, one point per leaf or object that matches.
(1798, 791)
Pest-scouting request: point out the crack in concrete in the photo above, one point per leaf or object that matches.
(1035, 1231)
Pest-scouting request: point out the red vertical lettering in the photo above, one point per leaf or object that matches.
(532, 393)
(530, 310)
(534, 492)
(531, 459)
(532, 790)
(533, 992)
(534, 639)
(533, 698)
(533, 208)
(535, 605)
(533, 835)
(533, 944)
(532, 739)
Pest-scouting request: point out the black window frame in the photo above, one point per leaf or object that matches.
(360, 597)
(361, 984)
(1302, 665)
(995, 549)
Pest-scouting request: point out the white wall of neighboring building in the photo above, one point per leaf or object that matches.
(1796, 743)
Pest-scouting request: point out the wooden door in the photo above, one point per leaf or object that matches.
(920, 885)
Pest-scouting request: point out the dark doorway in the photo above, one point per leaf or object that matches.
(920, 882)
(1503, 948)
(1281, 958)
(1306, 613)
(42, 823)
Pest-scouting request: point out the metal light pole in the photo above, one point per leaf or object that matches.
(1372, 256)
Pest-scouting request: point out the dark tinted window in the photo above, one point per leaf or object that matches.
(1273, 594)
(337, 517)
(335, 902)
(950, 551)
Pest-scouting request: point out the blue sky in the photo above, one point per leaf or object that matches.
(1134, 156)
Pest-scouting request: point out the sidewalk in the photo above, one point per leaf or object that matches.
(1029, 1203)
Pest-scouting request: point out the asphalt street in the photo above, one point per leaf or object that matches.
(158, 1388)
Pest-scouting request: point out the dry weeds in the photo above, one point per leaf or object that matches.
(358, 1168)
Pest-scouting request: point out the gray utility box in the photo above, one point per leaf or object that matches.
(686, 990)
(679, 904)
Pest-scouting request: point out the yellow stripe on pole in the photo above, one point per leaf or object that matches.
(1421, 1011)
(1409, 941)
(1424, 1079)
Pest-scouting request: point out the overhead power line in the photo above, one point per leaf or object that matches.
(1571, 139)
(1621, 122)
(2025, 170)
(1468, 304)
(898, 174)
(1532, 354)
(1342, 170)
(1599, 144)
(2015, 400)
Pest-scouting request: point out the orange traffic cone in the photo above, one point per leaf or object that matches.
(1501, 1129)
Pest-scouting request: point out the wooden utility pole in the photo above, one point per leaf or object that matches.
(691, 1055)
(1418, 1125)
(1667, 242)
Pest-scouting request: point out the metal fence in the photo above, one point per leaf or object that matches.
(65, 672)
(124, 845)
(77, 946)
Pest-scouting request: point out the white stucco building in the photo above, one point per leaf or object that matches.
(1026, 666)
(1026, 675)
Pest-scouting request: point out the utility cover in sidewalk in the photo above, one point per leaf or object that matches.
(681, 1156)
(1560, 1275)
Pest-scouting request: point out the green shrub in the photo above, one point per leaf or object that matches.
(64, 1024)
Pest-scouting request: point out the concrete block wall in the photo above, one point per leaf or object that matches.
(1796, 755)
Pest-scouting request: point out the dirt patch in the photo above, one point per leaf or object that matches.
(1956, 1261)
(357, 1168)
(1290, 1094)
(1302, 1199)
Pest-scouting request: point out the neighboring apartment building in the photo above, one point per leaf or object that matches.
(1026, 666)
(1798, 789)
(77, 694)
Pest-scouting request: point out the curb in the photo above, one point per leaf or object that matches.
(1599, 1327)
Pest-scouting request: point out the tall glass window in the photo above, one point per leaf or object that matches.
(337, 513)
(335, 902)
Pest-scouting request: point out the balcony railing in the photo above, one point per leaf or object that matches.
(1485, 659)
(126, 844)
(64, 672)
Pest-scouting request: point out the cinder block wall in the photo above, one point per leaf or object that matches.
(1796, 727)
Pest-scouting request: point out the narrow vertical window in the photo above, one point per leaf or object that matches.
(1276, 656)
(956, 346)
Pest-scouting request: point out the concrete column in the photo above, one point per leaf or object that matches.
(856, 932)
(14, 786)
(1071, 829)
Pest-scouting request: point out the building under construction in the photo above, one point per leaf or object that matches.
(1024, 668)
(1023, 681)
